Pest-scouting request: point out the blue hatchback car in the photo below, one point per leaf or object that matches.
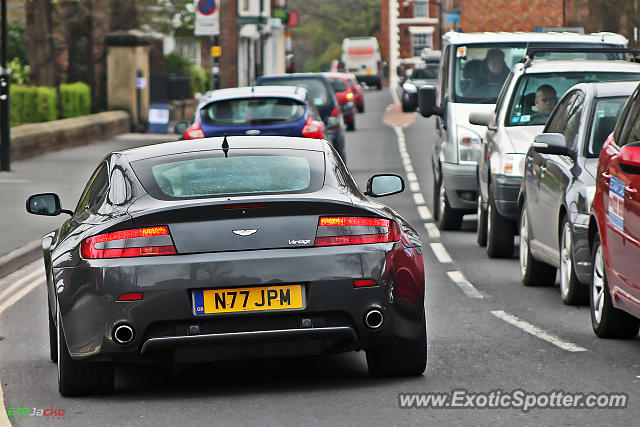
(265, 110)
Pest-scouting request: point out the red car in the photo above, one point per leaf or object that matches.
(341, 86)
(614, 230)
(358, 92)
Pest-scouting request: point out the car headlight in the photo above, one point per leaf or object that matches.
(511, 164)
(410, 88)
(469, 144)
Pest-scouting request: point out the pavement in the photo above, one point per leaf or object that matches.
(64, 172)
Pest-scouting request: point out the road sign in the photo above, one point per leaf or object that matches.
(207, 17)
(216, 51)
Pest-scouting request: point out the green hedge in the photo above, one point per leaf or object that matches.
(75, 99)
(200, 80)
(33, 104)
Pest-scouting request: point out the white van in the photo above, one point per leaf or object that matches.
(361, 56)
(473, 69)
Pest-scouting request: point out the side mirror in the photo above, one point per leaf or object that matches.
(551, 143)
(45, 204)
(427, 102)
(346, 108)
(180, 127)
(480, 118)
(333, 122)
(384, 185)
(630, 158)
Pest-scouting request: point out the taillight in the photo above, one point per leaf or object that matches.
(194, 131)
(313, 129)
(334, 231)
(335, 112)
(349, 95)
(148, 241)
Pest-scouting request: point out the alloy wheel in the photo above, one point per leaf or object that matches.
(443, 197)
(597, 287)
(565, 259)
(524, 243)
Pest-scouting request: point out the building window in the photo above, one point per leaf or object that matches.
(420, 9)
(421, 41)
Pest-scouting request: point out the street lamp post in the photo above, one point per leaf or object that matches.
(5, 130)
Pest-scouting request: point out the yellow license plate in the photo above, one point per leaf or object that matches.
(265, 298)
(369, 72)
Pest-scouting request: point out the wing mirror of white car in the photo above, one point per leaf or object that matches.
(384, 185)
(483, 118)
(427, 102)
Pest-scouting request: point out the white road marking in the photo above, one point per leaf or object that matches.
(418, 199)
(537, 332)
(408, 168)
(412, 177)
(432, 230)
(466, 286)
(414, 187)
(18, 283)
(21, 293)
(441, 253)
(424, 213)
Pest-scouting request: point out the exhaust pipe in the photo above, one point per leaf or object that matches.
(123, 334)
(374, 318)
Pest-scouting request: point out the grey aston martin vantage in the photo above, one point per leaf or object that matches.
(212, 249)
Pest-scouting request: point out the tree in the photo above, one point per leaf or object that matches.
(40, 44)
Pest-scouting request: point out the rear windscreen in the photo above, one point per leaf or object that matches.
(316, 88)
(338, 85)
(254, 111)
(244, 172)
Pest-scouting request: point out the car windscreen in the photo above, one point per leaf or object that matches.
(430, 72)
(316, 88)
(253, 111)
(244, 172)
(605, 116)
(338, 85)
(535, 95)
(481, 69)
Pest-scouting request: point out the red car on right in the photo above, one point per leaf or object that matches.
(614, 229)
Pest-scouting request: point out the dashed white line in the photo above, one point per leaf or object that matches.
(537, 332)
(408, 168)
(458, 278)
(441, 253)
(412, 177)
(432, 230)
(424, 213)
(414, 187)
(418, 199)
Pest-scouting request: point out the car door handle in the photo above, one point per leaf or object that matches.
(630, 190)
(606, 175)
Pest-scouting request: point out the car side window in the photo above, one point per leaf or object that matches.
(96, 188)
(631, 129)
(503, 92)
(623, 120)
(558, 121)
(312, 108)
(572, 128)
(444, 76)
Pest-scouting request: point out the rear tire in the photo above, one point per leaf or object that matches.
(500, 232)
(447, 218)
(361, 108)
(402, 358)
(481, 230)
(532, 271)
(572, 291)
(77, 378)
(351, 125)
(606, 320)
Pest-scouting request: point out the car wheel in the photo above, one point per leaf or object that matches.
(481, 229)
(379, 86)
(76, 378)
(447, 217)
(53, 341)
(572, 291)
(361, 108)
(351, 125)
(406, 108)
(402, 358)
(532, 271)
(607, 321)
(500, 232)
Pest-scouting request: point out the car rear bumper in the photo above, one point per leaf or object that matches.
(461, 185)
(166, 327)
(505, 193)
(368, 79)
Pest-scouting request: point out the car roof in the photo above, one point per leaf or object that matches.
(293, 92)
(215, 144)
(550, 37)
(607, 89)
(547, 66)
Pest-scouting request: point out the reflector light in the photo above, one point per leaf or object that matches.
(364, 283)
(253, 205)
(136, 296)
